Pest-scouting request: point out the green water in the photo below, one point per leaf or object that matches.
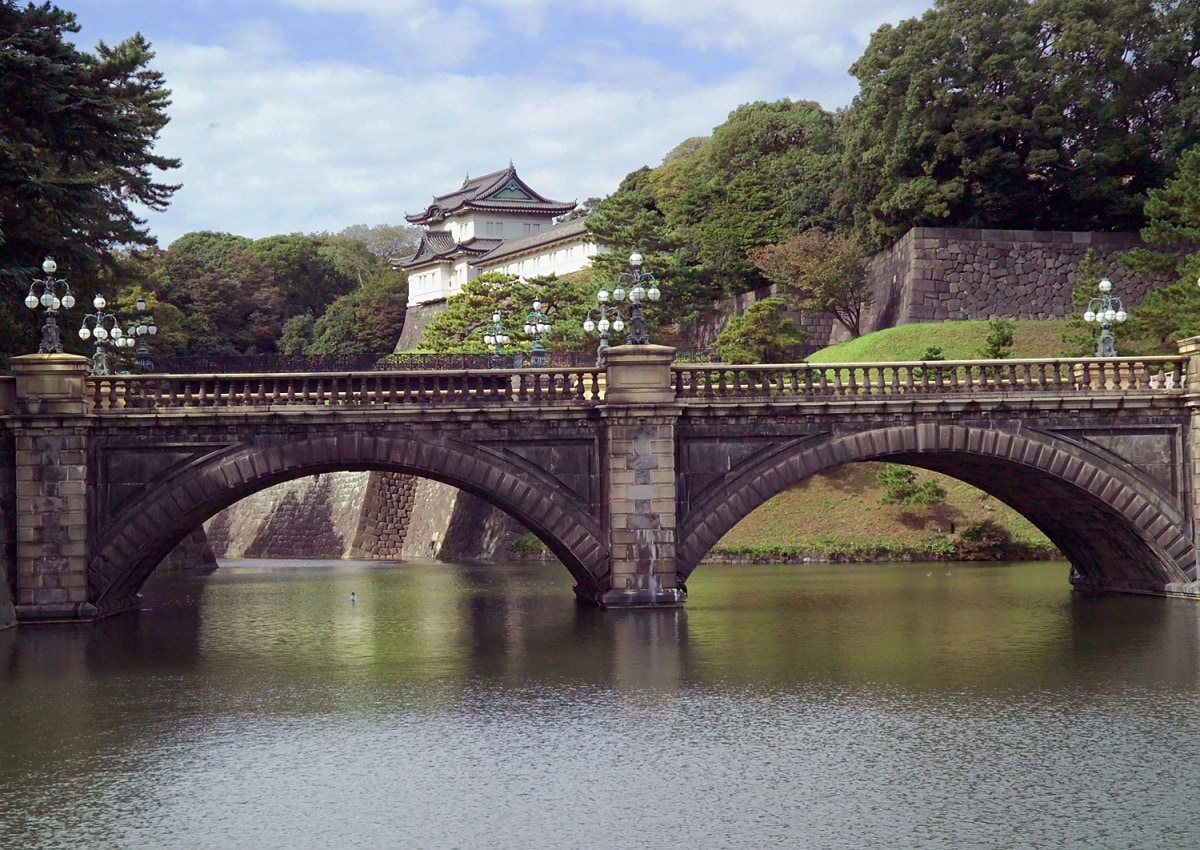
(882, 706)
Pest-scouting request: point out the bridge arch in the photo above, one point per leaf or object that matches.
(182, 498)
(1116, 526)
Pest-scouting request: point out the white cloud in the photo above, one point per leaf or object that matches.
(279, 146)
(282, 130)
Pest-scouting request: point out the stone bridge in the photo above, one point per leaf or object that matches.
(630, 473)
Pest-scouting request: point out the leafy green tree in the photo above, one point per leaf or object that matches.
(304, 271)
(821, 272)
(629, 220)
(382, 240)
(297, 334)
(1170, 313)
(134, 273)
(903, 488)
(77, 154)
(767, 171)
(234, 308)
(1048, 114)
(209, 247)
(461, 328)
(999, 341)
(763, 334)
(366, 321)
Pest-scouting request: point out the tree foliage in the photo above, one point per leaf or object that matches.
(763, 334)
(461, 328)
(77, 153)
(1079, 337)
(999, 341)
(1171, 313)
(1050, 114)
(367, 320)
(901, 487)
(382, 240)
(766, 171)
(313, 294)
(821, 272)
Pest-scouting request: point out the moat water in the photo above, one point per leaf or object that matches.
(884, 706)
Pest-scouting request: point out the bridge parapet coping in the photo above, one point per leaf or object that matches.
(1091, 375)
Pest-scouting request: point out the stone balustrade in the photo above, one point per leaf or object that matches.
(1092, 375)
(455, 388)
(588, 385)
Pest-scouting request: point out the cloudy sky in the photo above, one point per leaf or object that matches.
(309, 115)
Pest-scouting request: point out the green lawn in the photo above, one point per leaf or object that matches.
(958, 341)
(841, 510)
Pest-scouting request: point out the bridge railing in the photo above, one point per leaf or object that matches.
(448, 388)
(1080, 375)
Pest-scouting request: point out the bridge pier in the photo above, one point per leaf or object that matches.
(639, 468)
(51, 430)
(1190, 348)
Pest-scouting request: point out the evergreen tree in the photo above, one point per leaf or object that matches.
(77, 137)
(763, 334)
(1050, 114)
(1171, 313)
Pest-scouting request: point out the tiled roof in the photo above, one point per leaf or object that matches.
(498, 191)
(438, 245)
(572, 229)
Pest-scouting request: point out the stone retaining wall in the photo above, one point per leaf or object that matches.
(936, 274)
(948, 274)
(385, 517)
(415, 320)
(361, 515)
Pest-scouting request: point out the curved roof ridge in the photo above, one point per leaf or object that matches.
(484, 193)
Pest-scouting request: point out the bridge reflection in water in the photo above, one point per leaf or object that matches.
(828, 706)
(629, 473)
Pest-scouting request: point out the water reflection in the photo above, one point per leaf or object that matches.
(841, 706)
(964, 626)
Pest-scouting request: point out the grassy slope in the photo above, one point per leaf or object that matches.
(842, 509)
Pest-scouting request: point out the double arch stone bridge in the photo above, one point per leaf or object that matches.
(630, 473)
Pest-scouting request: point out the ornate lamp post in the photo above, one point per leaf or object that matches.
(638, 292)
(636, 285)
(605, 316)
(145, 328)
(536, 324)
(1105, 309)
(51, 342)
(106, 329)
(495, 336)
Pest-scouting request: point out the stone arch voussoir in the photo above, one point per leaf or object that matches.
(147, 529)
(1136, 538)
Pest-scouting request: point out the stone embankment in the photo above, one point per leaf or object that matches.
(362, 515)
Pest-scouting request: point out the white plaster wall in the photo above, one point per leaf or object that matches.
(560, 260)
